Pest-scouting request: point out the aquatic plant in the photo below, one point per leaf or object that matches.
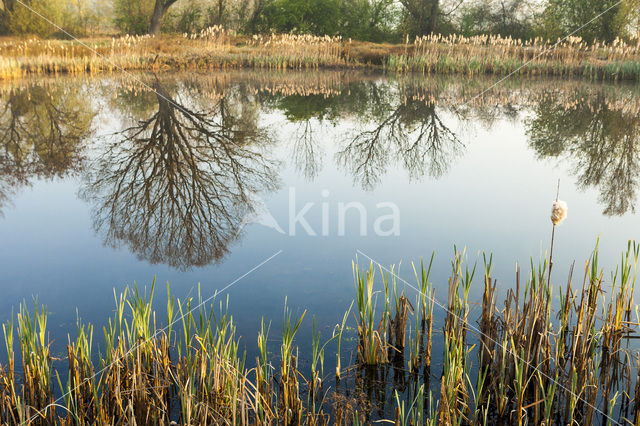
(494, 54)
(558, 212)
(538, 360)
(217, 48)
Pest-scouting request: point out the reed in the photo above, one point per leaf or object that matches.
(412, 415)
(338, 332)
(372, 343)
(534, 360)
(493, 54)
(454, 392)
(534, 366)
(290, 403)
(217, 48)
(212, 48)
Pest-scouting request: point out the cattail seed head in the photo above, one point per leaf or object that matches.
(558, 212)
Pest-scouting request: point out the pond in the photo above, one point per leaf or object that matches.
(269, 185)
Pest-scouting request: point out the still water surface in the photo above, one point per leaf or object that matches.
(104, 182)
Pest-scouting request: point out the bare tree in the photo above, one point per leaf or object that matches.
(307, 155)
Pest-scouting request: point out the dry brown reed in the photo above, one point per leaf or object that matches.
(217, 48)
(493, 54)
(212, 48)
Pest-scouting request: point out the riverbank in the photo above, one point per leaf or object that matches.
(215, 49)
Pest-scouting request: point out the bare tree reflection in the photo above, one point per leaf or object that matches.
(602, 143)
(310, 112)
(176, 186)
(307, 155)
(412, 133)
(42, 135)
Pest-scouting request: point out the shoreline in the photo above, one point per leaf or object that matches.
(20, 58)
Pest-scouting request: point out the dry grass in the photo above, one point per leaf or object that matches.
(19, 58)
(215, 48)
(210, 49)
(497, 55)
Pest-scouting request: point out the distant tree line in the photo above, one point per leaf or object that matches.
(371, 20)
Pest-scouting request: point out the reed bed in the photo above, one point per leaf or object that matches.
(215, 36)
(217, 48)
(282, 51)
(19, 58)
(212, 48)
(486, 54)
(535, 359)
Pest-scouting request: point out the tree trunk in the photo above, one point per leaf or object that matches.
(252, 25)
(424, 14)
(433, 16)
(156, 18)
(159, 10)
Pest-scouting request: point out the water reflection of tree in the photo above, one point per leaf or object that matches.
(309, 113)
(175, 186)
(307, 154)
(42, 135)
(602, 143)
(410, 131)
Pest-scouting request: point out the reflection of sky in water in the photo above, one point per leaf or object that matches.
(496, 196)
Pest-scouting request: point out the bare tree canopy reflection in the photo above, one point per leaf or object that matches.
(307, 154)
(601, 141)
(310, 112)
(42, 135)
(175, 187)
(409, 130)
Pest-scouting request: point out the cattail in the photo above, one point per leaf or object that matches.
(558, 212)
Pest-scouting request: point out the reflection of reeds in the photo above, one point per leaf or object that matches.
(445, 91)
(539, 362)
